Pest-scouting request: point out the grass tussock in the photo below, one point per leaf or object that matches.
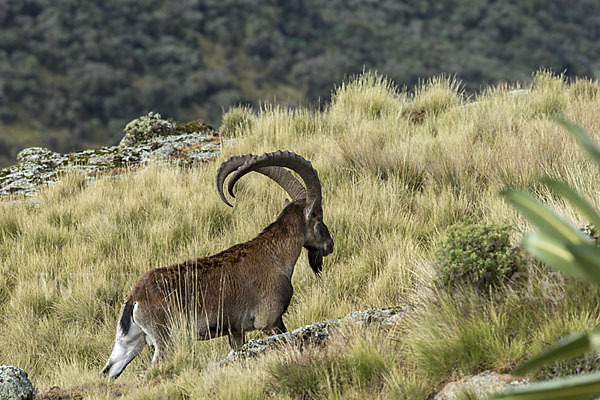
(437, 95)
(397, 169)
(237, 120)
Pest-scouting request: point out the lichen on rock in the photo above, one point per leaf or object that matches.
(14, 384)
(591, 232)
(147, 139)
(36, 154)
(196, 126)
(318, 332)
(146, 127)
(143, 129)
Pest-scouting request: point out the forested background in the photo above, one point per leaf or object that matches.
(72, 72)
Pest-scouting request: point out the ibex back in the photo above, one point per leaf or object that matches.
(246, 287)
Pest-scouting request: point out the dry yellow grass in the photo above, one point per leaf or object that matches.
(392, 183)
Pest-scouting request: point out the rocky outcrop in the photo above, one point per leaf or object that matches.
(150, 126)
(14, 384)
(319, 332)
(180, 143)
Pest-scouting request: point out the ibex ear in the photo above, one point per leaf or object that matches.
(286, 202)
(309, 211)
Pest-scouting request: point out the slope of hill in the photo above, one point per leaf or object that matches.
(73, 73)
(397, 170)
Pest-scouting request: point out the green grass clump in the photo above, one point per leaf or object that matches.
(549, 95)
(355, 362)
(369, 95)
(236, 121)
(437, 95)
(479, 255)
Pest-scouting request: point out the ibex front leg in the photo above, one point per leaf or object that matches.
(236, 340)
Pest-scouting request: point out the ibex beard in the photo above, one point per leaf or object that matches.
(244, 288)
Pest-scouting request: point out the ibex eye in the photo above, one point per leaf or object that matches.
(321, 230)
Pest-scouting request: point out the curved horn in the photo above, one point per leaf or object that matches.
(289, 160)
(280, 175)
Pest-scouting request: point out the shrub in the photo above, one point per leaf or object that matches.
(476, 254)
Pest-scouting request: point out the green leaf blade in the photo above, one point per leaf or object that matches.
(571, 346)
(582, 138)
(545, 219)
(587, 257)
(576, 201)
(574, 387)
(555, 254)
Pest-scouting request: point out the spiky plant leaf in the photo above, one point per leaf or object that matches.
(576, 200)
(571, 346)
(555, 254)
(573, 387)
(544, 218)
(583, 139)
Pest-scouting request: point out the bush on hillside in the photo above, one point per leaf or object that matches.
(477, 254)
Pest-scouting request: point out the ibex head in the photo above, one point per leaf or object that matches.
(317, 239)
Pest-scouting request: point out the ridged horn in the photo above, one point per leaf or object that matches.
(280, 175)
(285, 159)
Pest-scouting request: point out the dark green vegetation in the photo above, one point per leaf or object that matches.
(73, 73)
(477, 254)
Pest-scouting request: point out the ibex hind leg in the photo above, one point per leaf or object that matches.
(236, 341)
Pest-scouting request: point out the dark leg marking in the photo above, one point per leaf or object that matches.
(126, 318)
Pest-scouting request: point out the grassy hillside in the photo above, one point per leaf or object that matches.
(72, 73)
(397, 169)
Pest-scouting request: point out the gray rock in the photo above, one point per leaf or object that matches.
(376, 316)
(35, 154)
(14, 384)
(481, 386)
(163, 141)
(318, 332)
(146, 127)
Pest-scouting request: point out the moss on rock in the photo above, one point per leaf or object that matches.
(152, 125)
(148, 138)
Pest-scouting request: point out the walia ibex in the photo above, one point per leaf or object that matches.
(241, 289)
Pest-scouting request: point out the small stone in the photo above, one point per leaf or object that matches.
(518, 92)
(14, 384)
(483, 385)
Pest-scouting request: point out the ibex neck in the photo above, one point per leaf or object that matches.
(283, 239)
